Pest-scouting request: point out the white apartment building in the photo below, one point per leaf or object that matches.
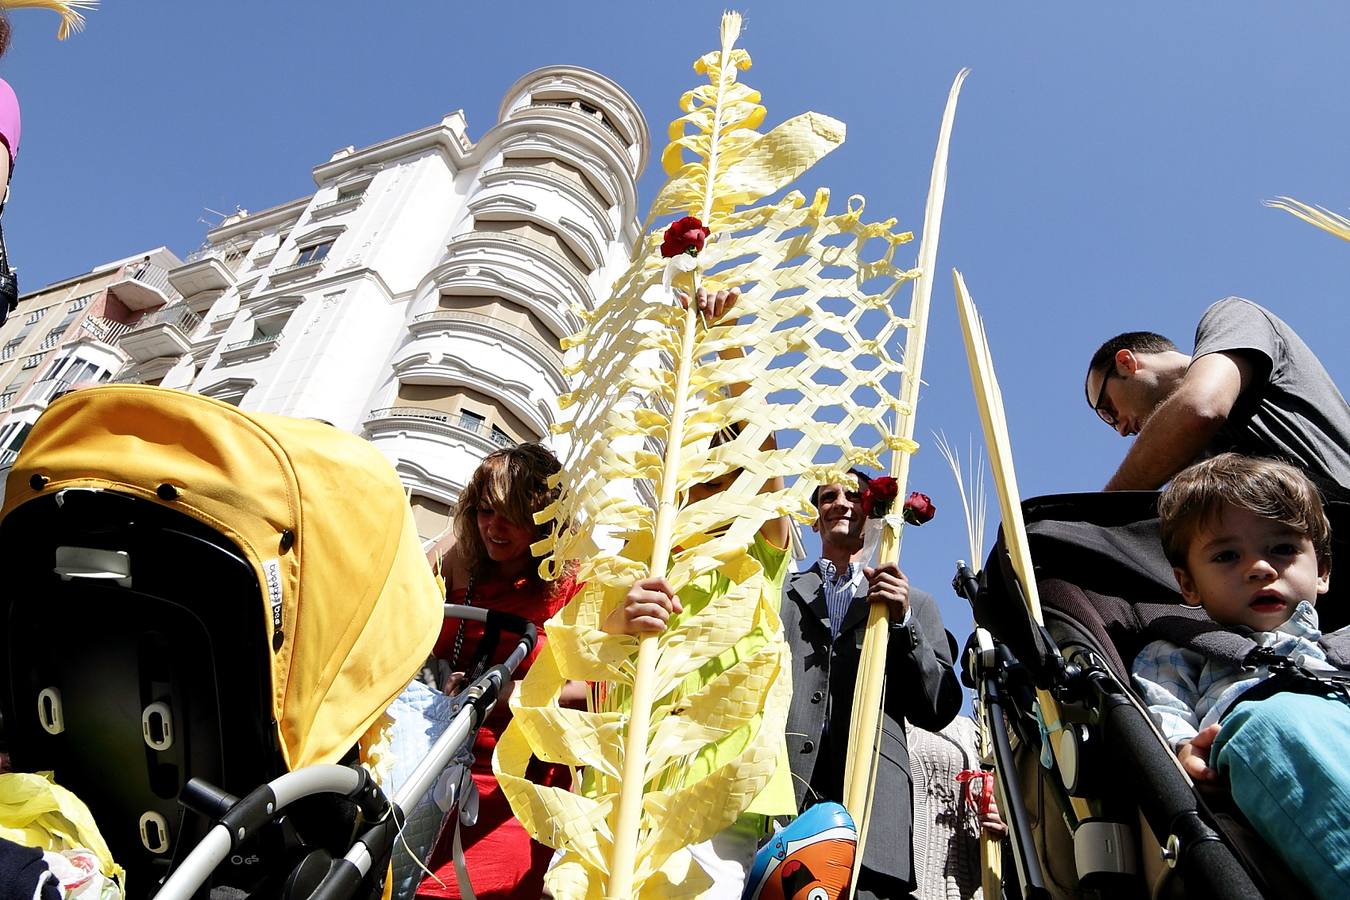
(419, 295)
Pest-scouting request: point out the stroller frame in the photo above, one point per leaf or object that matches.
(236, 820)
(1106, 733)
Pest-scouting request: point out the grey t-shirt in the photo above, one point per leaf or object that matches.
(1292, 410)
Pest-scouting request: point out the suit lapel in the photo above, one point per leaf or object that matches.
(805, 590)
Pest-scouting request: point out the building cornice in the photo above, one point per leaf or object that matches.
(337, 278)
(260, 221)
(448, 136)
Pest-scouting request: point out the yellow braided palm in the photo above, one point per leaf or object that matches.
(700, 709)
(1324, 219)
(68, 10)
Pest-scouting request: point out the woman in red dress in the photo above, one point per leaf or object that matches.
(488, 563)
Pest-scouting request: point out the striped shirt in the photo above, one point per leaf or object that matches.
(840, 589)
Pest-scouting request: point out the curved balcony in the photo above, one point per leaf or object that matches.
(450, 320)
(580, 202)
(575, 84)
(522, 270)
(561, 118)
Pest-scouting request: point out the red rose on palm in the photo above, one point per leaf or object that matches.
(919, 508)
(878, 496)
(685, 236)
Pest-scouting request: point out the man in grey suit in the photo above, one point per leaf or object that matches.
(824, 617)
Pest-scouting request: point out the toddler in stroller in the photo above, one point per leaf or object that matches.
(1097, 803)
(1250, 543)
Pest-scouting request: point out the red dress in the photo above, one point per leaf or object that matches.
(502, 859)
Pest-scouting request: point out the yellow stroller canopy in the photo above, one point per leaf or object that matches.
(349, 602)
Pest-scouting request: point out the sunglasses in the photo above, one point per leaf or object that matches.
(1106, 415)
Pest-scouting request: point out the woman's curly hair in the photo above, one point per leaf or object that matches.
(514, 482)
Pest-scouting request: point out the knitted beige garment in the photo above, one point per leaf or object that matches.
(946, 831)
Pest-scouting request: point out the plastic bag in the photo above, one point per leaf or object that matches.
(37, 812)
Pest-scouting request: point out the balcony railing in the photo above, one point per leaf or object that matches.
(178, 314)
(7, 398)
(7, 458)
(153, 276)
(105, 330)
(32, 362)
(9, 350)
(594, 117)
(463, 423)
(255, 341)
(551, 350)
(314, 264)
(408, 412)
(231, 254)
(353, 201)
(52, 339)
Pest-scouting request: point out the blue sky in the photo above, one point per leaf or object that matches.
(1107, 171)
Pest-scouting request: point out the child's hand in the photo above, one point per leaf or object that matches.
(646, 608)
(713, 306)
(454, 683)
(992, 822)
(1194, 756)
(888, 583)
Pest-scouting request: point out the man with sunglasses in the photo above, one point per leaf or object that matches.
(1251, 385)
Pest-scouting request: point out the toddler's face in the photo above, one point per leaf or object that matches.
(1247, 570)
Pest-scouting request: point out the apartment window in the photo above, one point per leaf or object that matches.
(471, 421)
(314, 253)
(32, 362)
(35, 316)
(501, 438)
(350, 193)
(8, 351)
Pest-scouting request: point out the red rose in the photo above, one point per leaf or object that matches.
(878, 496)
(685, 236)
(919, 508)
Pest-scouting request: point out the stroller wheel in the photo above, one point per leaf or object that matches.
(307, 874)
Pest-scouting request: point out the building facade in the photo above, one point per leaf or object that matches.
(70, 333)
(419, 295)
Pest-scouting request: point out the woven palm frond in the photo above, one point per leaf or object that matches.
(685, 729)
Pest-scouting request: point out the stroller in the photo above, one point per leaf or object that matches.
(1109, 813)
(204, 605)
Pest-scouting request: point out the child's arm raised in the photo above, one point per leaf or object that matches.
(646, 608)
(715, 309)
